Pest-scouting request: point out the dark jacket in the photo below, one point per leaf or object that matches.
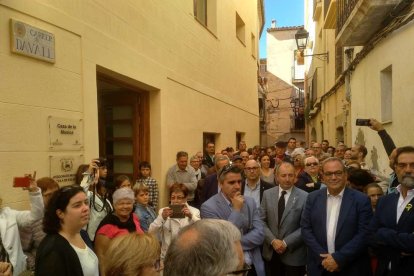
(305, 178)
(391, 241)
(55, 256)
(263, 187)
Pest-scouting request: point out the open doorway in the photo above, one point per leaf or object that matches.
(123, 112)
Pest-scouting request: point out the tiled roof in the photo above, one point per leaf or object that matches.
(287, 28)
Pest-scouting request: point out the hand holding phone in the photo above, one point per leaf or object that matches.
(363, 122)
(177, 211)
(21, 182)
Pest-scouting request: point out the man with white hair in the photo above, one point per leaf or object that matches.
(216, 256)
(309, 180)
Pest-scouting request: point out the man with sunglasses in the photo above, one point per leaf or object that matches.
(335, 226)
(229, 204)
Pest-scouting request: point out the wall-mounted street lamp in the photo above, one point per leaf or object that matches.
(301, 38)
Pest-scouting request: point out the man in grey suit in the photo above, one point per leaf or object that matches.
(229, 204)
(283, 250)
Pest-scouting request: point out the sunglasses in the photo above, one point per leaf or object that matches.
(311, 164)
(244, 271)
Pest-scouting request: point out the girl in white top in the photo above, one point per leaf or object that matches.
(93, 183)
(174, 217)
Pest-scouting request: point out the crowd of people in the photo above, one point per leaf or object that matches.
(287, 209)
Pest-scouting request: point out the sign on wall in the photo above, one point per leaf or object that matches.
(65, 134)
(31, 41)
(63, 168)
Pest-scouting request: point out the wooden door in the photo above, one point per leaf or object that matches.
(121, 135)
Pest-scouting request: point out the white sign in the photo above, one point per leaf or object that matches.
(33, 42)
(65, 134)
(63, 168)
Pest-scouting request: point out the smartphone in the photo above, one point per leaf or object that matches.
(21, 182)
(177, 211)
(363, 122)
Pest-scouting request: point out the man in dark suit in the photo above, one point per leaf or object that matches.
(283, 250)
(335, 225)
(393, 223)
(208, 159)
(253, 186)
(229, 204)
(210, 187)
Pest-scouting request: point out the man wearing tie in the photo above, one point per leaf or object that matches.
(335, 225)
(281, 209)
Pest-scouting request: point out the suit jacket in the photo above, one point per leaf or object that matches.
(208, 161)
(210, 187)
(390, 239)
(263, 187)
(247, 220)
(351, 251)
(289, 229)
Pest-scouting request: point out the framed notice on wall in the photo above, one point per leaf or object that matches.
(63, 168)
(65, 134)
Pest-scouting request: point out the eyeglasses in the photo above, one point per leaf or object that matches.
(330, 174)
(251, 168)
(224, 170)
(244, 271)
(311, 164)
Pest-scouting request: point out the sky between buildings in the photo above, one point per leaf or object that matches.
(286, 13)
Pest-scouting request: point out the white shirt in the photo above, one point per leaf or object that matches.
(288, 192)
(402, 202)
(254, 193)
(88, 260)
(333, 206)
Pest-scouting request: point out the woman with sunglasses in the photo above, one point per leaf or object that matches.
(63, 251)
(309, 180)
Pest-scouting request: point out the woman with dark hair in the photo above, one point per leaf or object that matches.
(122, 181)
(94, 185)
(266, 172)
(174, 217)
(63, 251)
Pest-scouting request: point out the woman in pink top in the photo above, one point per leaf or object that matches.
(121, 222)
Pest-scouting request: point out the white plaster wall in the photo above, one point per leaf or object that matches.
(396, 50)
(199, 81)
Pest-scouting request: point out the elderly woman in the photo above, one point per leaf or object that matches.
(63, 252)
(133, 255)
(10, 219)
(174, 217)
(121, 222)
(297, 159)
(309, 179)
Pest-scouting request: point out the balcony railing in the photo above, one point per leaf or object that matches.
(344, 9)
(360, 20)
